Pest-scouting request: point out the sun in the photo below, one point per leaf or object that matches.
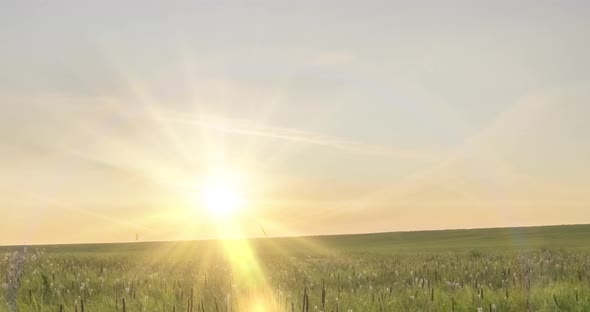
(221, 197)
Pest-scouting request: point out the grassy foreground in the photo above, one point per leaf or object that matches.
(508, 269)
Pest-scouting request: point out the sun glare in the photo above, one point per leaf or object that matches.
(221, 197)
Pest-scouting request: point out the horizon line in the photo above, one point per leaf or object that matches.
(300, 236)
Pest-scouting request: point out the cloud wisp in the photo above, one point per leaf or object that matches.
(250, 128)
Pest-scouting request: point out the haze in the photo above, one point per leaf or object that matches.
(335, 116)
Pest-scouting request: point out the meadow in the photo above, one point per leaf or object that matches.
(505, 269)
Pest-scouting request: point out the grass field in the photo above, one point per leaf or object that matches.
(506, 269)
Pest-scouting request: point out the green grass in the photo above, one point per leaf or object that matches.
(516, 269)
(559, 236)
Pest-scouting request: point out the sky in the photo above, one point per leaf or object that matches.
(329, 117)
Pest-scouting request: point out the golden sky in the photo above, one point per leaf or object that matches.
(325, 118)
